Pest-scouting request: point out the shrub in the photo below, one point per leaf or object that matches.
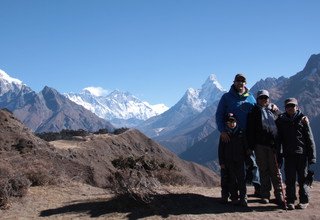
(138, 177)
(13, 186)
(120, 130)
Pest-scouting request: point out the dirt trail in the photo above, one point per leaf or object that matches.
(80, 201)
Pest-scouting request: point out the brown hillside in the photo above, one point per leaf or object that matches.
(90, 159)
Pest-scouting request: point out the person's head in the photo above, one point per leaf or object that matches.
(263, 98)
(239, 82)
(231, 121)
(291, 106)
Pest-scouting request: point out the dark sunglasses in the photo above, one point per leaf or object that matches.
(290, 106)
(240, 81)
(263, 97)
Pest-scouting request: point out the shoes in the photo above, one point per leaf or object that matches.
(264, 201)
(290, 206)
(243, 203)
(224, 200)
(235, 202)
(280, 203)
(302, 205)
(257, 192)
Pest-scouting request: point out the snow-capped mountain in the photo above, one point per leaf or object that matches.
(8, 83)
(47, 110)
(189, 106)
(121, 108)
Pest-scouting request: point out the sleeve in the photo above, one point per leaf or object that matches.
(220, 114)
(279, 147)
(311, 146)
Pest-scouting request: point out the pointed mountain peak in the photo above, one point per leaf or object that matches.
(48, 89)
(6, 77)
(313, 65)
(212, 82)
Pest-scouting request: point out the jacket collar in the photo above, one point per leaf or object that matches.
(234, 92)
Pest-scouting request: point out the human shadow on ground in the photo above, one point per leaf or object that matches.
(161, 205)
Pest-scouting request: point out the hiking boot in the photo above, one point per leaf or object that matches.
(243, 203)
(290, 206)
(224, 200)
(257, 192)
(280, 203)
(235, 202)
(264, 201)
(302, 205)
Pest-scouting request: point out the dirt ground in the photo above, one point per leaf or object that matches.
(81, 201)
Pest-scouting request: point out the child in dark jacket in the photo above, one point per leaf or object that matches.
(232, 161)
(299, 152)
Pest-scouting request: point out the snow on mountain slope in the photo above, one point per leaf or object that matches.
(115, 105)
(7, 83)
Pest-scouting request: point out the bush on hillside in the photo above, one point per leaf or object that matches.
(140, 177)
(15, 183)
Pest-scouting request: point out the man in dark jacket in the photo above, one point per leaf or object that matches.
(240, 102)
(262, 136)
(232, 160)
(299, 152)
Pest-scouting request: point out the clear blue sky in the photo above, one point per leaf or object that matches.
(155, 49)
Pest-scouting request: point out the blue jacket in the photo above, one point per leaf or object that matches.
(239, 105)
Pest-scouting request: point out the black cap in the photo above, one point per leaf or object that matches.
(230, 117)
(240, 76)
(291, 101)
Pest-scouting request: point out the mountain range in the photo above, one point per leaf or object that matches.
(122, 109)
(188, 128)
(47, 110)
(182, 124)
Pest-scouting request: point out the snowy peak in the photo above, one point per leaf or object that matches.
(212, 82)
(116, 105)
(4, 76)
(211, 90)
(8, 83)
(96, 91)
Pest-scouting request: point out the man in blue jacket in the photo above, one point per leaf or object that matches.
(240, 102)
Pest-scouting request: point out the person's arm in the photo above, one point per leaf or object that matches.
(311, 146)
(221, 113)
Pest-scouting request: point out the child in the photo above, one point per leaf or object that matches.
(232, 162)
(299, 151)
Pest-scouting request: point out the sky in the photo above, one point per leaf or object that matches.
(154, 49)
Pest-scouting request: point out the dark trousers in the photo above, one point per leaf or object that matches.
(236, 179)
(224, 183)
(296, 166)
(268, 169)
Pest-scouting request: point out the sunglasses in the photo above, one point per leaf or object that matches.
(240, 81)
(290, 106)
(263, 97)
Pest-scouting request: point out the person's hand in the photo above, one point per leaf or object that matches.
(274, 107)
(222, 166)
(305, 120)
(225, 137)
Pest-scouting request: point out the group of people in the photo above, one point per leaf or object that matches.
(254, 134)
